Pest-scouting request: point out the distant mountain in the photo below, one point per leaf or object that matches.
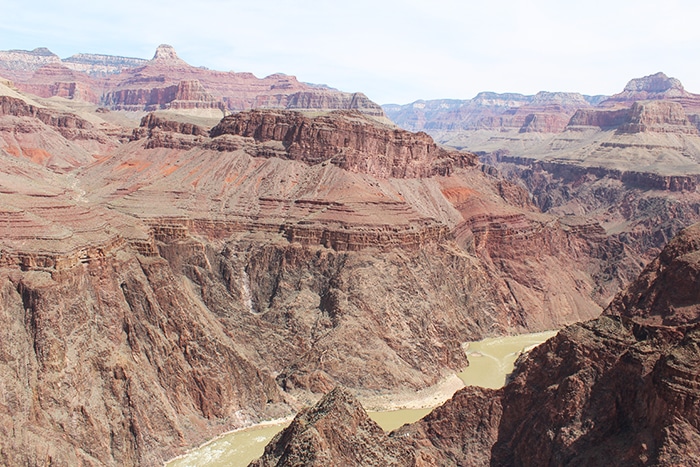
(546, 112)
(166, 82)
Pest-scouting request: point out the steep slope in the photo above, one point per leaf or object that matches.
(621, 389)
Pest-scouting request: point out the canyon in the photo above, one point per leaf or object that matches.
(630, 161)
(621, 389)
(185, 252)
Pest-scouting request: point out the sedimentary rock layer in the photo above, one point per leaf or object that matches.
(167, 82)
(620, 389)
(175, 283)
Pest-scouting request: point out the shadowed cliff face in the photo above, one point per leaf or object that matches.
(109, 363)
(620, 389)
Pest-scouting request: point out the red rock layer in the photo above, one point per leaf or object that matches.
(19, 108)
(348, 141)
(641, 117)
(545, 112)
(167, 82)
(184, 95)
(214, 287)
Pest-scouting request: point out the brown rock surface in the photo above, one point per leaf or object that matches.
(631, 165)
(336, 432)
(621, 389)
(350, 141)
(183, 283)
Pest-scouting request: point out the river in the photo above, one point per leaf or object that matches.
(490, 362)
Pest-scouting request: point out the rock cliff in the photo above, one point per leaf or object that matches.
(349, 141)
(167, 82)
(23, 63)
(620, 389)
(650, 116)
(294, 252)
(315, 438)
(652, 87)
(184, 95)
(100, 64)
(223, 277)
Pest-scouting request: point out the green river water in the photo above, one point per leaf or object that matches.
(490, 362)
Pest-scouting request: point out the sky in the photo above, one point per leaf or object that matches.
(393, 51)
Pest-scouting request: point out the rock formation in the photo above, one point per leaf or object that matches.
(314, 438)
(222, 276)
(348, 141)
(545, 112)
(222, 273)
(631, 161)
(167, 82)
(621, 389)
(655, 87)
(101, 65)
(22, 63)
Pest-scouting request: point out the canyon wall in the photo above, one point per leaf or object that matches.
(182, 282)
(619, 389)
(348, 141)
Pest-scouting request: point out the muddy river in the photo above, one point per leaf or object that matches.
(490, 362)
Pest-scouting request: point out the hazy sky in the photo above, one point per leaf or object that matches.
(393, 51)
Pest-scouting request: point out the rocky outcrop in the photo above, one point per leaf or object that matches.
(101, 65)
(336, 432)
(568, 173)
(19, 108)
(115, 368)
(659, 117)
(184, 95)
(152, 121)
(349, 141)
(23, 63)
(656, 86)
(164, 133)
(543, 122)
(603, 119)
(620, 389)
(642, 117)
(325, 99)
(55, 79)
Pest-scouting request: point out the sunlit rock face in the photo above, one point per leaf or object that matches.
(167, 82)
